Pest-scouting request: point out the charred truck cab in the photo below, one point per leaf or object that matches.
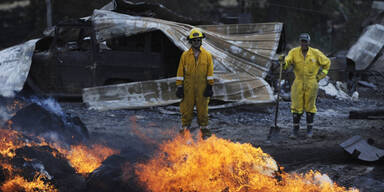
(71, 59)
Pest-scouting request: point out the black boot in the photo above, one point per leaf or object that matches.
(184, 128)
(205, 132)
(309, 124)
(296, 125)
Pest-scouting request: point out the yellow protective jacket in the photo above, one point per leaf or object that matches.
(305, 86)
(189, 69)
(194, 76)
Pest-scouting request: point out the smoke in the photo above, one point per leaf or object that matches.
(52, 136)
(45, 117)
(4, 115)
(322, 178)
(49, 104)
(40, 168)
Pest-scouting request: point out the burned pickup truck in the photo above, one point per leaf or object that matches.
(116, 61)
(71, 59)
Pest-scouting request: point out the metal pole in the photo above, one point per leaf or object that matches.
(49, 12)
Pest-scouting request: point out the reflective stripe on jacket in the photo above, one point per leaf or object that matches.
(200, 71)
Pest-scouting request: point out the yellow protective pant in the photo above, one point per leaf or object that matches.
(303, 96)
(193, 96)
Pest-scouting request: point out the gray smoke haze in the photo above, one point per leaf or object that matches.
(4, 115)
(49, 104)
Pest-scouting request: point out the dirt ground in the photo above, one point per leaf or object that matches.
(145, 128)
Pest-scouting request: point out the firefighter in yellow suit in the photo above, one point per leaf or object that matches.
(194, 82)
(306, 62)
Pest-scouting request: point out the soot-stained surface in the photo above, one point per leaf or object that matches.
(144, 129)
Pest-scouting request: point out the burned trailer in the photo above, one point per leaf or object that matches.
(71, 59)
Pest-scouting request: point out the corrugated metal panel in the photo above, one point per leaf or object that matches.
(361, 149)
(378, 5)
(247, 48)
(242, 56)
(237, 88)
(15, 63)
(378, 64)
(364, 51)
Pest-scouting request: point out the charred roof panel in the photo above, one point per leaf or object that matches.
(249, 52)
(366, 49)
(15, 63)
(242, 57)
(153, 9)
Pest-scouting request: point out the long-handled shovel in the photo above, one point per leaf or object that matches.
(275, 130)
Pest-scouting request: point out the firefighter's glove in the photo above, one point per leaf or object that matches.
(208, 91)
(320, 76)
(180, 92)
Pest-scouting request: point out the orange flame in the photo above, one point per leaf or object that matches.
(6, 166)
(215, 164)
(86, 159)
(18, 183)
(9, 142)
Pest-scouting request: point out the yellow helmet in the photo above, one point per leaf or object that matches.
(195, 33)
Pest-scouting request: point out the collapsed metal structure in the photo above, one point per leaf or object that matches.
(242, 57)
(366, 53)
(366, 56)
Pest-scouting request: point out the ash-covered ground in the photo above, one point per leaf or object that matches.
(144, 129)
